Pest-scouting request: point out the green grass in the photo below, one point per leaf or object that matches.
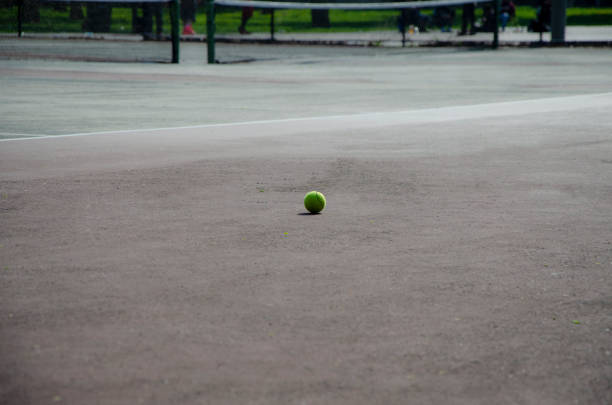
(286, 20)
(575, 16)
(300, 21)
(52, 20)
(589, 16)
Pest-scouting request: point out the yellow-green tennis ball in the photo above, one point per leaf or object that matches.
(314, 202)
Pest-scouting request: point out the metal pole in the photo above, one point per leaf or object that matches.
(272, 25)
(210, 31)
(19, 18)
(402, 27)
(557, 34)
(175, 29)
(496, 25)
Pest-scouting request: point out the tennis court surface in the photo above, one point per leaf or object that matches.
(155, 248)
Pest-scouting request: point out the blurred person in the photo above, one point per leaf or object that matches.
(507, 12)
(468, 18)
(543, 15)
(247, 13)
(443, 18)
(188, 15)
(149, 11)
(98, 17)
(412, 16)
(487, 23)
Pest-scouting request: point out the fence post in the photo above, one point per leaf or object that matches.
(496, 25)
(210, 31)
(272, 24)
(19, 18)
(557, 35)
(175, 27)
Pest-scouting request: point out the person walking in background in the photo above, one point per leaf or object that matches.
(443, 18)
(467, 18)
(487, 23)
(150, 10)
(543, 16)
(188, 15)
(247, 13)
(412, 17)
(507, 12)
(98, 17)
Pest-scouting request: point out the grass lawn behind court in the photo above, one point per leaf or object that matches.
(228, 19)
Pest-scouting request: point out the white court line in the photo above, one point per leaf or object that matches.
(438, 114)
(24, 135)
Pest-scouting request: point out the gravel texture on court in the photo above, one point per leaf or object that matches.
(460, 259)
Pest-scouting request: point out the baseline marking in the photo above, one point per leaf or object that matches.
(438, 114)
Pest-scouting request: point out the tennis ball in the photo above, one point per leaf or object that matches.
(314, 202)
